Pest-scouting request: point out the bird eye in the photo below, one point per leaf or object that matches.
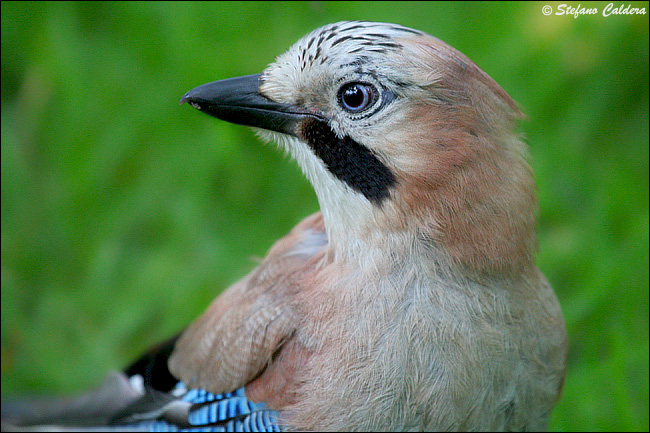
(356, 97)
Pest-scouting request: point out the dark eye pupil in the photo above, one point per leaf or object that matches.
(356, 96)
(353, 97)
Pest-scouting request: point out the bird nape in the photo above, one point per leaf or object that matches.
(411, 301)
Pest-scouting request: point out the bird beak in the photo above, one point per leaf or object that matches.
(238, 100)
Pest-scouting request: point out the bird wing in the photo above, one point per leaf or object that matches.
(245, 329)
(124, 403)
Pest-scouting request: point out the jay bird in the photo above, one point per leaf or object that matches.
(411, 301)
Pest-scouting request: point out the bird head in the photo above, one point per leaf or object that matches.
(408, 144)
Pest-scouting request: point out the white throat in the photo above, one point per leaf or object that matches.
(349, 216)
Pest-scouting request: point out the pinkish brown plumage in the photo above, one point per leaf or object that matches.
(411, 301)
(418, 308)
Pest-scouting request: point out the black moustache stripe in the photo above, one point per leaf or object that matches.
(349, 161)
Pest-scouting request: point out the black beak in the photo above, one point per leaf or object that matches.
(237, 100)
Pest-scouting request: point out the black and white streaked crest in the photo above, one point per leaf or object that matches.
(351, 37)
(341, 49)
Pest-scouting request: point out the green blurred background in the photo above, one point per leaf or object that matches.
(123, 213)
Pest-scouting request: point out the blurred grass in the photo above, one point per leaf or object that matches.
(124, 214)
